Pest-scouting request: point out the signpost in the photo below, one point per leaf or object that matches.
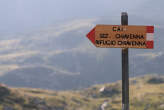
(125, 69)
(123, 36)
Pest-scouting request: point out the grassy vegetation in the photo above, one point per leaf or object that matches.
(146, 93)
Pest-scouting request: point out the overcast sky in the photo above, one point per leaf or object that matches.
(20, 15)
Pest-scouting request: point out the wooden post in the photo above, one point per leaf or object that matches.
(125, 69)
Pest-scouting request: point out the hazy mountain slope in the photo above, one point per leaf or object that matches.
(67, 59)
(146, 93)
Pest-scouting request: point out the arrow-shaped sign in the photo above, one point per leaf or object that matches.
(118, 36)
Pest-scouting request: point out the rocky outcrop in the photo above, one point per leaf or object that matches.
(4, 91)
(8, 108)
(156, 80)
(110, 91)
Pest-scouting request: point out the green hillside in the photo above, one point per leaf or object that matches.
(146, 93)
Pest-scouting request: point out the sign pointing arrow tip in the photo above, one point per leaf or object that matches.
(91, 35)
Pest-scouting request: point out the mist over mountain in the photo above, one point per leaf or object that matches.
(43, 44)
(61, 57)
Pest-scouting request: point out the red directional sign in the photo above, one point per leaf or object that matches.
(119, 36)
